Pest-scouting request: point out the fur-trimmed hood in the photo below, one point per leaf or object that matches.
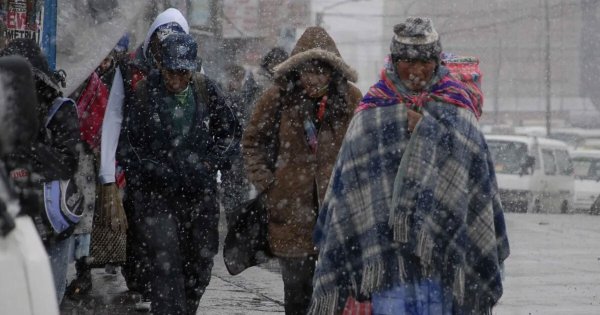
(315, 43)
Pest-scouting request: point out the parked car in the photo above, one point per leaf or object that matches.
(534, 174)
(590, 144)
(587, 178)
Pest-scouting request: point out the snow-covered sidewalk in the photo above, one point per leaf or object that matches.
(253, 292)
(554, 266)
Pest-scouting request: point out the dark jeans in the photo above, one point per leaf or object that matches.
(181, 251)
(297, 283)
(58, 253)
(136, 269)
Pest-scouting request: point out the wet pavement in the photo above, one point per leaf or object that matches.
(554, 269)
(255, 291)
(258, 290)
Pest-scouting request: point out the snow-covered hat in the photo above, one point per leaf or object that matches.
(416, 38)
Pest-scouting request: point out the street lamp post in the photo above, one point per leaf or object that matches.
(320, 14)
(548, 72)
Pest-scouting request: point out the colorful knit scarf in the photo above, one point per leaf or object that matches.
(446, 88)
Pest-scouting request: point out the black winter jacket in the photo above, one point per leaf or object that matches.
(54, 154)
(159, 162)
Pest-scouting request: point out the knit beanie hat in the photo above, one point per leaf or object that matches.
(416, 39)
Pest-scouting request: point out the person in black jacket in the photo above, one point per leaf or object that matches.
(51, 156)
(19, 127)
(179, 133)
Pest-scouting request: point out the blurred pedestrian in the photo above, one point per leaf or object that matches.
(264, 75)
(289, 148)
(262, 78)
(412, 220)
(104, 245)
(235, 187)
(106, 69)
(22, 249)
(180, 132)
(234, 77)
(109, 236)
(90, 104)
(52, 156)
(117, 56)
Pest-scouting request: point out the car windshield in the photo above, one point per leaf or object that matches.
(508, 156)
(586, 168)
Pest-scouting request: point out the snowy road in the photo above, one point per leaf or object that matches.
(554, 267)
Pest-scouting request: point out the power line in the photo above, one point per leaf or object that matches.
(504, 22)
(475, 27)
(453, 15)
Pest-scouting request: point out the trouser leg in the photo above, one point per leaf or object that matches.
(136, 270)
(58, 253)
(167, 287)
(130, 266)
(197, 274)
(297, 276)
(199, 244)
(82, 284)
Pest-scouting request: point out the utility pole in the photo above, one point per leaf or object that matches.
(212, 64)
(548, 71)
(319, 18)
(497, 83)
(50, 21)
(320, 14)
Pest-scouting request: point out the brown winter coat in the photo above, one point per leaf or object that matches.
(291, 191)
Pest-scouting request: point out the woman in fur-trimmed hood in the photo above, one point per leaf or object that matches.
(290, 146)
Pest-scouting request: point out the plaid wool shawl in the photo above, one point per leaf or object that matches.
(446, 207)
(442, 211)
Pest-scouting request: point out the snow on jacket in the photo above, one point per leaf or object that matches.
(290, 187)
(54, 153)
(111, 125)
(161, 160)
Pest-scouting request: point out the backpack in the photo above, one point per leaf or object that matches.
(64, 200)
(91, 106)
(466, 69)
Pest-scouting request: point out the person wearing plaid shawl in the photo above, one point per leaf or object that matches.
(412, 218)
